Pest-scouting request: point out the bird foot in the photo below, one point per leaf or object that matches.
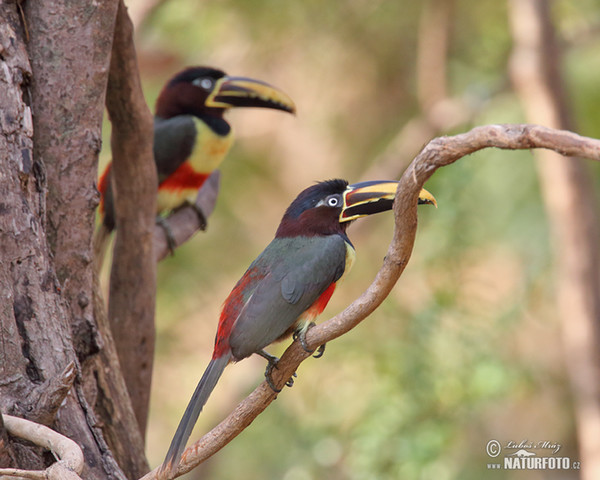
(272, 363)
(171, 242)
(201, 217)
(300, 335)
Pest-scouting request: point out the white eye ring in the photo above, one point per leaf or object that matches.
(333, 201)
(205, 83)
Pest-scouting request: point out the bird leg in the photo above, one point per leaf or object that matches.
(300, 335)
(171, 242)
(273, 361)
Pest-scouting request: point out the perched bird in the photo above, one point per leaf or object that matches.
(289, 284)
(191, 135)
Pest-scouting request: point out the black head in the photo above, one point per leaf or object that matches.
(204, 91)
(186, 93)
(315, 211)
(329, 207)
(204, 77)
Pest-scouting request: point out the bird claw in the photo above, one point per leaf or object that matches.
(171, 242)
(164, 224)
(269, 377)
(272, 364)
(320, 351)
(201, 217)
(301, 337)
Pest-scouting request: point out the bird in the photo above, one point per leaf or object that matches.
(289, 284)
(191, 137)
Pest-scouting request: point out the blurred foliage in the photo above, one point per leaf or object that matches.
(467, 347)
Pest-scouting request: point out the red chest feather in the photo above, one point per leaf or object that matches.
(185, 177)
(321, 302)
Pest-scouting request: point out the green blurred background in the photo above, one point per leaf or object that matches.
(467, 347)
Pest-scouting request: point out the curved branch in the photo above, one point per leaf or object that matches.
(71, 460)
(439, 152)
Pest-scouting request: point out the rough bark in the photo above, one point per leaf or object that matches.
(69, 63)
(69, 47)
(133, 274)
(571, 207)
(54, 366)
(36, 337)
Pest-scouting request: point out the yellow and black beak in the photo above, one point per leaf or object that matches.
(366, 198)
(246, 92)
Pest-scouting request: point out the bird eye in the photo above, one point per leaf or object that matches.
(333, 201)
(205, 83)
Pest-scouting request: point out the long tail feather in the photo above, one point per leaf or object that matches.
(205, 387)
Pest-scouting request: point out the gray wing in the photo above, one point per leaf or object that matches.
(174, 140)
(299, 271)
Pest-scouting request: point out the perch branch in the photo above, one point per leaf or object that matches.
(185, 222)
(437, 153)
(71, 458)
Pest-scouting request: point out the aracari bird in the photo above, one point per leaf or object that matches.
(289, 284)
(191, 136)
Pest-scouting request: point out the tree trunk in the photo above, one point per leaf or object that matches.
(55, 57)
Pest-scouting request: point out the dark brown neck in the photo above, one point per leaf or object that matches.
(314, 222)
(184, 99)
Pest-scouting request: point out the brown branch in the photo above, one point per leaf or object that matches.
(570, 202)
(438, 153)
(184, 223)
(70, 454)
(133, 274)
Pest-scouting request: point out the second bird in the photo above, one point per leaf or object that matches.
(191, 135)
